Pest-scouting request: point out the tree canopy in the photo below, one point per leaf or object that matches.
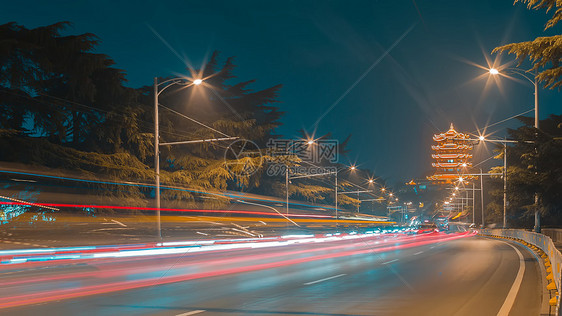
(62, 105)
(532, 171)
(545, 53)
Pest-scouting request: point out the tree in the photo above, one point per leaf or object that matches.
(543, 52)
(64, 106)
(532, 171)
(54, 86)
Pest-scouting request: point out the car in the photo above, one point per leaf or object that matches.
(427, 228)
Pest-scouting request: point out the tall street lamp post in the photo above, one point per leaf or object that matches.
(482, 195)
(533, 81)
(504, 142)
(310, 142)
(336, 189)
(164, 84)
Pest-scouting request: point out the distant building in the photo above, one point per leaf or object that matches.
(452, 156)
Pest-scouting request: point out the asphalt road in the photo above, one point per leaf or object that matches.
(400, 275)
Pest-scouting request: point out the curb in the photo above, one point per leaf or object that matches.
(551, 285)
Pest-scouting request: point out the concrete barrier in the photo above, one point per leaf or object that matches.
(554, 233)
(553, 257)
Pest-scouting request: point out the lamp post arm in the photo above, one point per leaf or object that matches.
(170, 82)
(523, 74)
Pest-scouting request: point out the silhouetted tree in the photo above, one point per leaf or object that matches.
(543, 52)
(532, 171)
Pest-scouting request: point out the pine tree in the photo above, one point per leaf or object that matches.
(545, 53)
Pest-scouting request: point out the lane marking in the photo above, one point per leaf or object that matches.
(191, 313)
(391, 261)
(325, 279)
(418, 253)
(510, 299)
(119, 223)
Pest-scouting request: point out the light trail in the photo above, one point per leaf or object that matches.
(136, 264)
(231, 195)
(218, 267)
(136, 208)
(8, 257)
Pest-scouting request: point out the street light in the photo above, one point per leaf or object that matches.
(504, 142)
(494, 71)
(352, 168)
(165, 84)
(309, 142)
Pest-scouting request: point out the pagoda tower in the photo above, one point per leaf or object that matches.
(452, 155)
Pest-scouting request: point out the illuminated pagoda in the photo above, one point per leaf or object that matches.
(452, 156)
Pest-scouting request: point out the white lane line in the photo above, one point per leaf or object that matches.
(418, 253)
(510, 299)
(191, 313)
(119, 223)
(325, 279)
(391, 261)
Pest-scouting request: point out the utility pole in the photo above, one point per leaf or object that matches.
(157, 159)
(482, 195)
(537, 214)
(504, 185)
(473, 205)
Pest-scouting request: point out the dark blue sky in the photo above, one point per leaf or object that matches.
(318, 49)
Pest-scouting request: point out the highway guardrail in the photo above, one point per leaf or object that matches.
(542, 242)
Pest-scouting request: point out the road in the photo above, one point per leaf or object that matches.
(434, 274)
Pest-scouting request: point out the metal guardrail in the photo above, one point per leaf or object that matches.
(541, 241)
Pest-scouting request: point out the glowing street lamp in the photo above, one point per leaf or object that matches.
(163, 86)
(533, 81)
(352, 168)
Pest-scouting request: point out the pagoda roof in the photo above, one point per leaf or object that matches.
(449, 177)
(450, 164)
(450, 134)
(451, 156)
(451, 146)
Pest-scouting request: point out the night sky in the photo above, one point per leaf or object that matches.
(319, 49)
